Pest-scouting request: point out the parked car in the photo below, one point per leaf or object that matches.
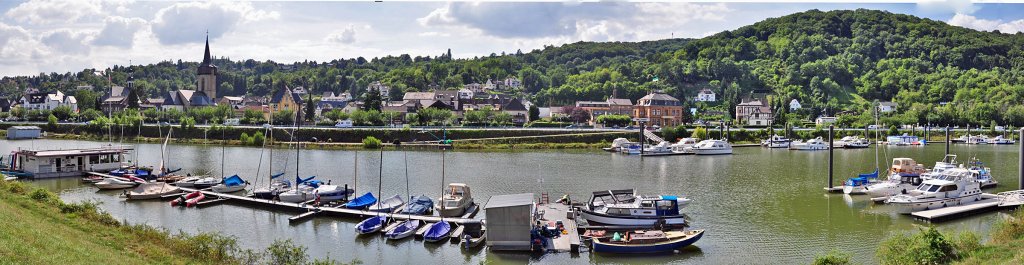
(344, 124)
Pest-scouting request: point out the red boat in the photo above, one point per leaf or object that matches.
(189, 199)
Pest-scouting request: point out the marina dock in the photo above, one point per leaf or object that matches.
(554, 212)
(309, 211)
(989, 202)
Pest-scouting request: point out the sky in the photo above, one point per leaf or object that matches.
(66, 36)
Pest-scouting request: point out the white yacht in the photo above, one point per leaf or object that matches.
(896, 184)
(776, 141)
(712, 147)
(660, 148)
(684, 146)
(812, 144)
(978, 139)
(852, 142)
(618, 144)
(1001, 140)
(625, 207)
(952, 187)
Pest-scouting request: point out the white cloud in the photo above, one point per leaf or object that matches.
(53, 11)
(346, 36)
(66, 41)
(185, 22)
(947, 6)
(604, 21)
(119, 31)
(972, 22)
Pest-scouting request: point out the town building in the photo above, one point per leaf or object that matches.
(705, 95)
(185, 99)
(612, 106)
(886, 107)
(475, 87)
(823, 120)
(285, 99)
(512, 82)
(206, 74)
(48, 101)
(660, 109)
(234, 102)
(754, 111)
(794, 105)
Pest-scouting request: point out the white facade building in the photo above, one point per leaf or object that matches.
(706, 95)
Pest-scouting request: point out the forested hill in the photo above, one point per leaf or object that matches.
(829, 61)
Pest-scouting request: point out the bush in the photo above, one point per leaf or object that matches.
(245, 139)
(286, 252)
(42, 195)
(833, 257)
(929, 246)
(371, 142)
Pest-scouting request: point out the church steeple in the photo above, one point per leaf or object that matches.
(206, 74)
(206, 55)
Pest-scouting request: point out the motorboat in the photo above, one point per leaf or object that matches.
(852, 142)
(684, 146)
(625, 207)
(978, 139)
(456, 199)
(277, 186)
(231, 184)
(418, 205)
(404, 229)
(712, 147)
(947, 162)
(437, 232)
(812, 144)
(906, 166)
(999, 139)
(776, 141)
(116, 183)
(473, 235)
(961, 139)
(982, 174)
(896, 184)
(329, 193)
(10, 178)
(646, 241)
(904, 140)
(631, 149)
(152, 190)
(206, 182)
(371, 225)
(387, 205)
(952, 187)
(618, 144)
(857, 185)
(362, 202)
(663, 147)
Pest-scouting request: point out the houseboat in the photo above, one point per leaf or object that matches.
(904, 140)
(68, 162)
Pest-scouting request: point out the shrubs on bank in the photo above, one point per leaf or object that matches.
(371, 142)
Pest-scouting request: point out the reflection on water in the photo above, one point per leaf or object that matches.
(756, 205)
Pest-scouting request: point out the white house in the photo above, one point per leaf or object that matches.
(512, 82)
(490, 85)
(885, 107)
(465, 94)
(706, 95)
(794, 105)
(48, 101)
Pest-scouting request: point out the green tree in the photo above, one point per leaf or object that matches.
(372, 100)
(284, 117)
(51, 121)
(700, 133)
(534, 113)
(63, 113)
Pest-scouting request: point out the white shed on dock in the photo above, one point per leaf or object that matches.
(509, 220)
(23, 132)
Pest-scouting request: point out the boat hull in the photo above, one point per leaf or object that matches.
(888, 190)
(712, 151)
(668, 246)
(404, 230)
(228, 189)
(907, 207)
(606, 219)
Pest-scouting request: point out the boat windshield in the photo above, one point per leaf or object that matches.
(934, 188)
(451, 204)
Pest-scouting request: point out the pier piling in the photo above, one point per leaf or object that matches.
(947, 140)
(831, 135)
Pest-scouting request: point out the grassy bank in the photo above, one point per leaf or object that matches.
(36, 227)
(930, 246)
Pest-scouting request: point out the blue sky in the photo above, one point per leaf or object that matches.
(61, 36)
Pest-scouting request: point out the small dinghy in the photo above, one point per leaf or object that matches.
(230, 184)
(419, 205)
(438, 232)
(403, 230)
(362, 201)
(10, 178)
(646, 241)
(152, 190)
(180, 201)
(187, 182)
(388, 205)
(206, 182)
(473, 235)
(116, 183)
(370, 225)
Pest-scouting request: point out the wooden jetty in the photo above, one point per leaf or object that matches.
(305, 208)
(988, 202)
(554, 212)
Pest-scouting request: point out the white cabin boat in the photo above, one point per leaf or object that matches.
(456, 199)
(904, 140)
(777, 141)
(812, 144)
(69, 162)
(660, 148)
(999, 139)
(953, 187)
(625, 207)
(712, 147)
(852, 142)
(684, 146)
(618, 144)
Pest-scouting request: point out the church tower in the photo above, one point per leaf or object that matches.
(207, 74)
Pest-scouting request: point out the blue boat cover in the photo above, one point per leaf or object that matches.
(418, 205)
(370, 224)
(873, 175)
(668, 197)
(274, 176)
(362, 201)
(314, 183)
(233, 181)
(438, 230)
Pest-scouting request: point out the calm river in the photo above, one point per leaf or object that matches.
(758, 205)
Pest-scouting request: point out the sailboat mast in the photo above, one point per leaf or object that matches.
(380, 177)
(355, 171)
(442, 185)
(223, 147)
(406, 163)
(876, 136)
(297, 140)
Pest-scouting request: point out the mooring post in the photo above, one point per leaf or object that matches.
(726, 138)
(830, 148)
(1020, 160)
(947, 140)
(643, 139)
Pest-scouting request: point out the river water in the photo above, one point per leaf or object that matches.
(758, 205)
